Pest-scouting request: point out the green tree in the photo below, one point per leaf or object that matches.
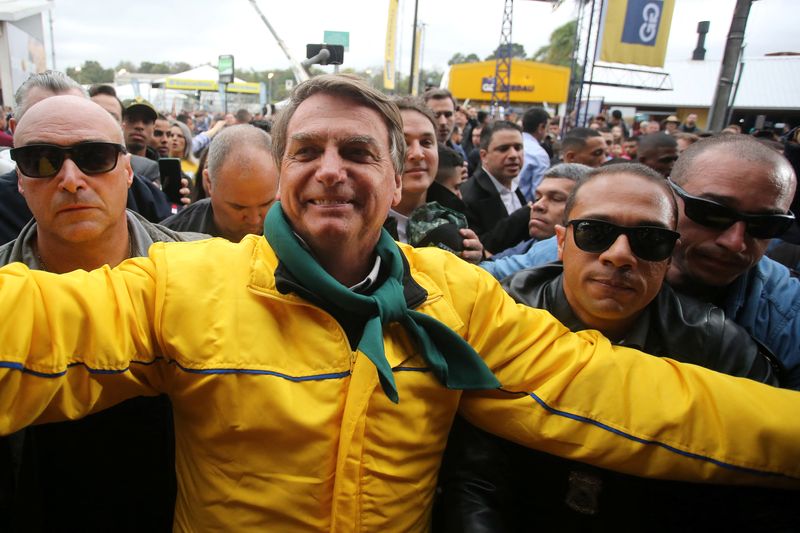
(91, 72)
(148, 67)
(559, 50)
(517, 50)
(129, 66)
(461, 58)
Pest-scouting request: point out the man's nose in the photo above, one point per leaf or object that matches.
(619, 253)
(414, 151)
(331, 167)
(70, 178)
(733, 238)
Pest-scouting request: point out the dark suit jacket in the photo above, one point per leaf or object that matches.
(488, 217)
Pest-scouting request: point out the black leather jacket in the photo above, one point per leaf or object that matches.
(492, 485)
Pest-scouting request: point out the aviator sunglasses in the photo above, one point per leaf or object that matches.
(46, 160)
(649, 243)
(717, 216)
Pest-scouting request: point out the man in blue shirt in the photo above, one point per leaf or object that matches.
(534, 128)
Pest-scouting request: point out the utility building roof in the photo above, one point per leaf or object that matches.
(766, 83)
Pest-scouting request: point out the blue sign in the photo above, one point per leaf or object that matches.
(642, 20)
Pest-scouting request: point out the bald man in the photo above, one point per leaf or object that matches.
(242, 182)
(74, 173)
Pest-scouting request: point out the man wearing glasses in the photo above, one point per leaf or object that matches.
(733, 196)
(75, 180)
(315, 371)
(611, 280)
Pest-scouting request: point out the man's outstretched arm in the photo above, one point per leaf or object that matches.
(67, 337)
(577, 396)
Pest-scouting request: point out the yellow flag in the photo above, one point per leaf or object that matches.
(636, 31)
(389, 65)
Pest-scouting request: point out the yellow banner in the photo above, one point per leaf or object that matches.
(389, 63)
(211, 85)
(636, 31)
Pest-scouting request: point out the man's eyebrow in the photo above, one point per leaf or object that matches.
(732, 202)
(318, 137)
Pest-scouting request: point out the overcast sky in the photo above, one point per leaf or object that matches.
(198, 31)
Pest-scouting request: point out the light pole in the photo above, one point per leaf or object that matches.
(269, 91)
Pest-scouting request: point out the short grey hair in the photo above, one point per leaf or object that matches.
(568, 171)
(50, 80)
(231, 139)
(350, 87)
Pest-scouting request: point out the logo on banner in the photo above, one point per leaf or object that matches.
(642, 19)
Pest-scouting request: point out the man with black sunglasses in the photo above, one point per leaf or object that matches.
(734, 194)
(74, 174)
(611, 280)
(315, 371)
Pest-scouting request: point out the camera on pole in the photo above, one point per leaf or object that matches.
(324, 54)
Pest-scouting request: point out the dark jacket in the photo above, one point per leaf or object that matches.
(144, 197)
(111, 471)
(488, 217)
(489, 484)
(197, 217)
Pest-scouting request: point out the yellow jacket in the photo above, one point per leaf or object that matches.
(280, 426)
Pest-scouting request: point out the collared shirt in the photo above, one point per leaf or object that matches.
(536, 163)
(402, 225)
(364, 285)
(507, 195)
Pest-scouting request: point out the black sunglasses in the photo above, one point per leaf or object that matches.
(717, 216)
(649, 243)
(46, 160)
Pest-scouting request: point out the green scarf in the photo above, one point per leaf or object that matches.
(453, 361)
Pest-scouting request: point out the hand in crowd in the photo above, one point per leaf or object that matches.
(185, 191)
(473, 249)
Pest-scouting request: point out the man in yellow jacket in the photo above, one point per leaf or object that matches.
(315, 371)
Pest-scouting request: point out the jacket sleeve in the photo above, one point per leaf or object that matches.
(541, 252)
(576, 396)
(507, 232)
(78, 342)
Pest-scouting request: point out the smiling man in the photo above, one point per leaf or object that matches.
(315, 371)
(615, 250)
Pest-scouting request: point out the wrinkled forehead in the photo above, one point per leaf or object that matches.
(747, 183)
(82, 120)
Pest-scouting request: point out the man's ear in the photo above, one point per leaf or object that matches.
(398, 189)
(207, 184)
(128, 169)
(12, 125)
(568, 156)
(19, 184)
(482, 153)
(561, 234)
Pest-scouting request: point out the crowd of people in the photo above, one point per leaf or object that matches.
(342, 357)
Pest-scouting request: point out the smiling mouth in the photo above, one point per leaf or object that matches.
(329, 203)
